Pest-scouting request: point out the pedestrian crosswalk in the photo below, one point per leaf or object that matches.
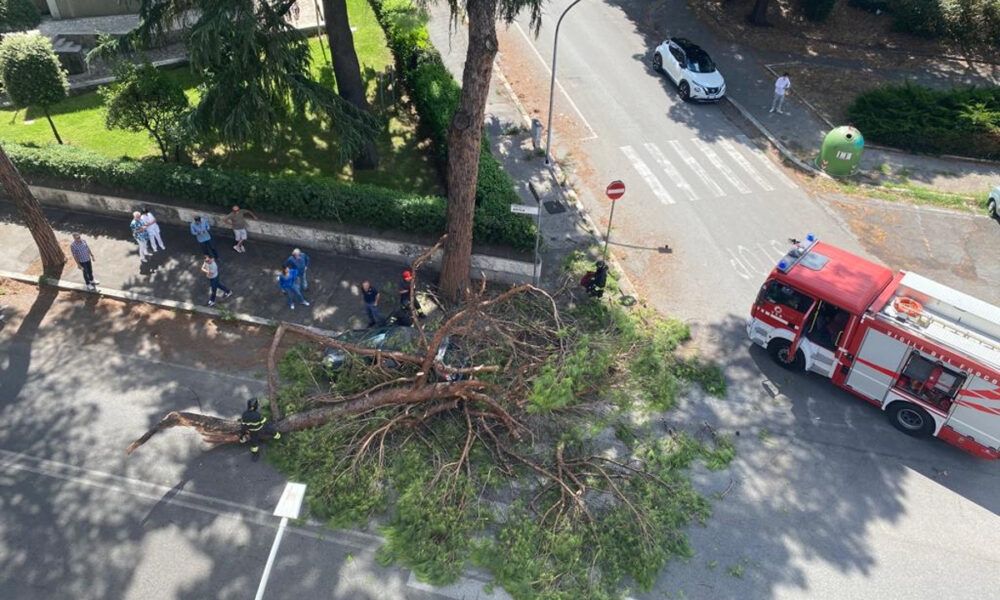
(700, 169)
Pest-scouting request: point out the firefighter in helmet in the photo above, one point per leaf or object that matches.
(255, 429)
(598, 280)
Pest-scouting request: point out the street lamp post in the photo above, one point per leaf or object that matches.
(552, 85)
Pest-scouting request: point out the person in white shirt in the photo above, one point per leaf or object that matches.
(153, 229)
(780, 88)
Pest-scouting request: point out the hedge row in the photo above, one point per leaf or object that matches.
(963, 121)
(303, 197)
(435, 94)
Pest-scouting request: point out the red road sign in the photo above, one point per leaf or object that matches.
(616, 189)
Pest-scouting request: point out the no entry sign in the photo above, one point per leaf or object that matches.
(616, 189)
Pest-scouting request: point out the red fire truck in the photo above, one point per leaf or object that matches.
(927, 355)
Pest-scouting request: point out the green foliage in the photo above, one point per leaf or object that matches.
(18, 15)
(817, 10)
(963, 121)
(919, 17)
(972, 24)
(718, 458)
(30, 71)
(143, 98)
(314, 198)
(435, 95)
(872, 6)
(560, 385)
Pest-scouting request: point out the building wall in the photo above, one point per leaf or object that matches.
(74, 9)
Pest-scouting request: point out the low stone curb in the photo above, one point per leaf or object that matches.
(152, 300)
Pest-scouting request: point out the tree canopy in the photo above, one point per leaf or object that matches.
(31, 74)
(143, 98)
(255, 70)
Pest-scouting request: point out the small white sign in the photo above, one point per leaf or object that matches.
(523, 209)
(291, 500)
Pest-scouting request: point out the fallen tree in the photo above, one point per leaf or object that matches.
(444, 442)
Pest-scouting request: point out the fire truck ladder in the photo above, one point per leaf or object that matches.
(927, 317)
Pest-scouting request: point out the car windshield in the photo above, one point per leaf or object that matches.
(699, 62)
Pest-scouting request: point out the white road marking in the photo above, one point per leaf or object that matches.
(721, 166)
(672, 173)
(745, 165)
(647, 174)
(766, 161)
(548, 69)
(738, 265)
(698, 170)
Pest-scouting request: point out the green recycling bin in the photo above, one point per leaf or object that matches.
(841, 151)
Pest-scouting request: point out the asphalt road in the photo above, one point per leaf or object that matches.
(825, 499)
(175, 520)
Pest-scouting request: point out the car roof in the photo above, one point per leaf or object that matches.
(686, 44)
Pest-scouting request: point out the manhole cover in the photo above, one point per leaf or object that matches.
(554, 208)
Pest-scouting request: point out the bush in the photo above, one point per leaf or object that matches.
(817, 10)
(302, 197)
(18, 15)
(922, 18)
(30, 71)
(963, 121)
(435, 95)
(872, 6)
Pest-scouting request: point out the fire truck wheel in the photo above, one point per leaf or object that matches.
(778, 349)
(910, 419)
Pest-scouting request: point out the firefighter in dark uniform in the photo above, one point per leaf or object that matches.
(255, 429)
(595, 286)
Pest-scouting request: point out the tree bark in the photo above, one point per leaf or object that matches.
(53, 126)
(464, 144)
(17, 190)
(347, 69)
(759, 14)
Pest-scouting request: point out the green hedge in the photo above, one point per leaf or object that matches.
(435, 94)
(303, 197)
(963, 121)
(817, 10)
(18, 15)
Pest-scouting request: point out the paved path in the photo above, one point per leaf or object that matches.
(175, 274)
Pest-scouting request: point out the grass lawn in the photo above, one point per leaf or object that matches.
(305, 147)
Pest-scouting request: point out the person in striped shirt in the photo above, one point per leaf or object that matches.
(84, 260)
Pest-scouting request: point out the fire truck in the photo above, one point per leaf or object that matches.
(926, 354)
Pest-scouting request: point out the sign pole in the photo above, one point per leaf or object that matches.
(607, 237)
(270, 559)
(288, 507)
(536, 270)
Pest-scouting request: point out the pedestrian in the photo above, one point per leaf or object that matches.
(211, 270)
(84, 260)
(781, 86)
(299, 261)
(238, 221)
(200, 231)
(141, 235)
(371, 296)
(255, 429)
(288, 284)
(153, 229)
(406, 293)
(596, 284)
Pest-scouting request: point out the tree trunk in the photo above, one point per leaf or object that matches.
(17, 190)
(53, 126)
(759, 14)
(347, 69)
(464, 139)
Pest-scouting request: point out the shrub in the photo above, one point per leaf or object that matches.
(964, 121)
(817, 10)
(31, 73)
(18, 15)
(872, 6)
(288, 195)
(435, 95)
(920, 17)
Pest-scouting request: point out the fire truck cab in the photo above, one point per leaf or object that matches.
(926, 354)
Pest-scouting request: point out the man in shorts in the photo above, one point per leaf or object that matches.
(238, 221)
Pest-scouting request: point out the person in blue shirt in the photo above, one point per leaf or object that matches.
(199, 229)
(288, 285)
(299, 261)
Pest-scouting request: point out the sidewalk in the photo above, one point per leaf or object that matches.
(750, 83)
(174, 274)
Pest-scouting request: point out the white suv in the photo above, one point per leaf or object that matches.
(691, 69)
(993, 204)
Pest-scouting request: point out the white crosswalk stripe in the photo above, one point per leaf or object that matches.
(698, 170)
(770, 166)
(672, 173)
(745, 165)
(721, 166)
(647, 174)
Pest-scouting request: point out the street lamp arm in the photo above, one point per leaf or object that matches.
(552, 84)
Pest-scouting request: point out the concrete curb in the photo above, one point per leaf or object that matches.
(214, 313)
(569, 196)
(781, 148)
